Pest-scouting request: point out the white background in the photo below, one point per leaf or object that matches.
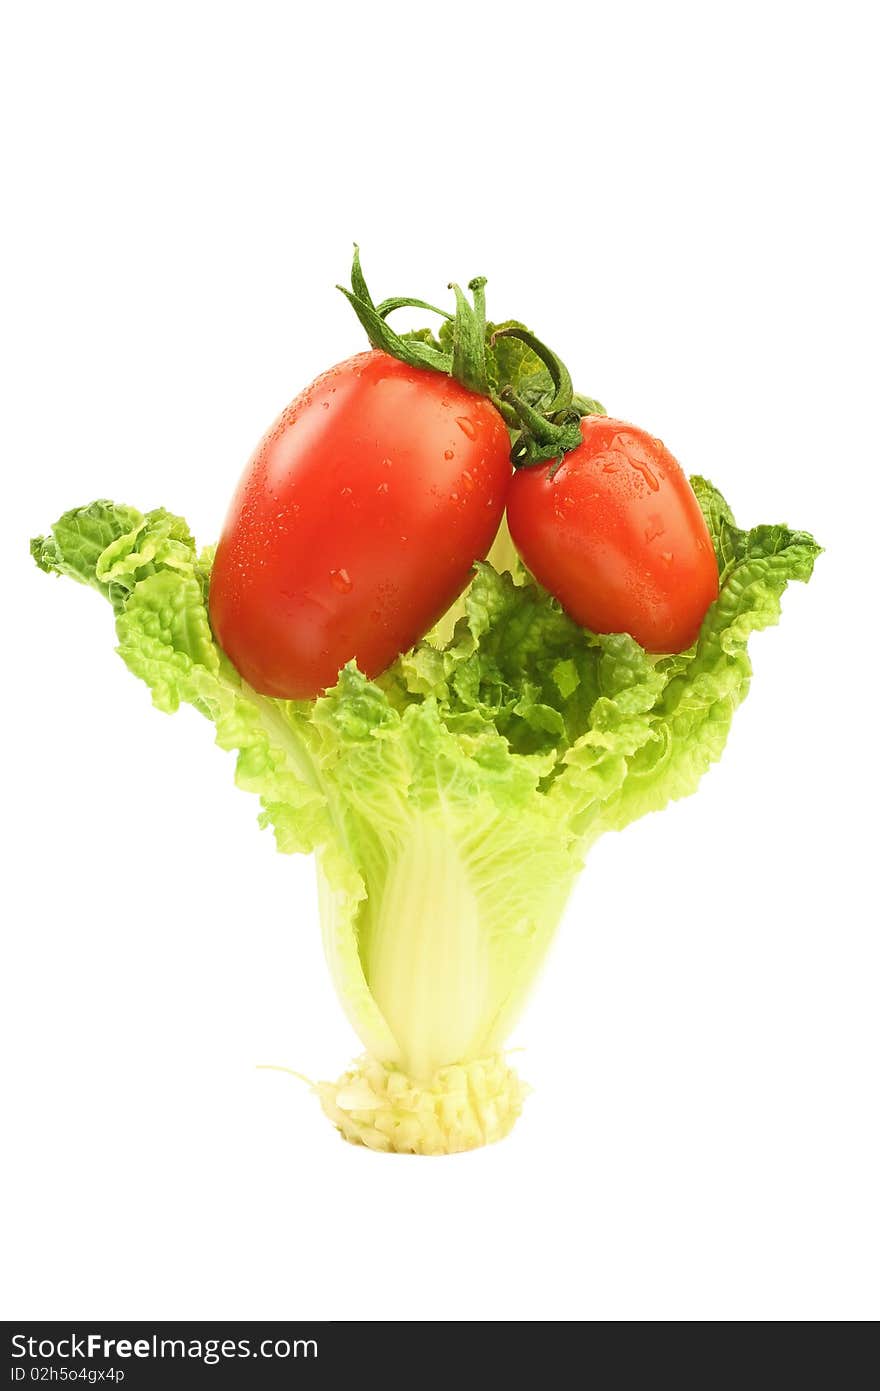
(677, 197)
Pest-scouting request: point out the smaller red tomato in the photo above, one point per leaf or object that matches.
(617, 535)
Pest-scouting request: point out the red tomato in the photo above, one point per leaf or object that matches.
(618, 537)
(356, 523)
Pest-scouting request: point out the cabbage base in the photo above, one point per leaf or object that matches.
(462, 1107)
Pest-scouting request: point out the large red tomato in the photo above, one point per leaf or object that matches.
(356, 523)
(617, 535)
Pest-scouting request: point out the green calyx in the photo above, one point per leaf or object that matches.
(374, 320)
(554, 432)
(531, 388)
(464, 359)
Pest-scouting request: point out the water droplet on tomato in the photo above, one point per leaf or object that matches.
(454, 497)
(345, 492)
(387, 463)
(467, 481)
(654, 529)
(325, 405)
(449, 454)
(341, 580)
(641, 467)
(666, 556)
(382, 488)
(467, 426)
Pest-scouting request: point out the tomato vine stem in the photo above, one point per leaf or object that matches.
(540, 430)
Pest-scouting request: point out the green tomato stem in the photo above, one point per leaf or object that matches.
(537, 436)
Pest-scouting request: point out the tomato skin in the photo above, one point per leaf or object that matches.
(356, 523)
(618, 537)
